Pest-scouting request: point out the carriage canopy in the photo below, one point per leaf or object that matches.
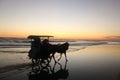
(39, 36)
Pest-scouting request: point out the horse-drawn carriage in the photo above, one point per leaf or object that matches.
(42, 50)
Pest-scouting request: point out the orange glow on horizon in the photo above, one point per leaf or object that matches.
(60, 35)
(63, 36)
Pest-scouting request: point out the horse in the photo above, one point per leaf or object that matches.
(60, 48)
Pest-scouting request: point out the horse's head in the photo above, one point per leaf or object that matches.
(67, 45)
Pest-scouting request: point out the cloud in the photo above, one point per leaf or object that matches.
(113, 37)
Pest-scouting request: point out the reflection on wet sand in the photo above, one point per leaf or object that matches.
(48, 72)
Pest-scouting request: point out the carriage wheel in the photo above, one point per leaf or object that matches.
(35, 68)
(35, 61)
(44, 63)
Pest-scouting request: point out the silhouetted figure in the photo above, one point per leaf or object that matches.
(45, 52)
(35, 49)
(45, 46)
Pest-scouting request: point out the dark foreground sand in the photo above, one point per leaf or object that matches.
(92, 63)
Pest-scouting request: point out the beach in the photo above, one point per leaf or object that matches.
(96, 62)
(60, 40)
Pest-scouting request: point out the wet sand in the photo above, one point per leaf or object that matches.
(101, 62)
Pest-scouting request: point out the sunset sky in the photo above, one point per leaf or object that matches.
(70, 19)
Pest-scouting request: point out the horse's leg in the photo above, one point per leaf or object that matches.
(50, 58)
(60, 56)
(35, 61)
(65, 56)
(54, 57)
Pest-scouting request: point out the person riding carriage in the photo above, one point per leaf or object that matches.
(37, 46)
